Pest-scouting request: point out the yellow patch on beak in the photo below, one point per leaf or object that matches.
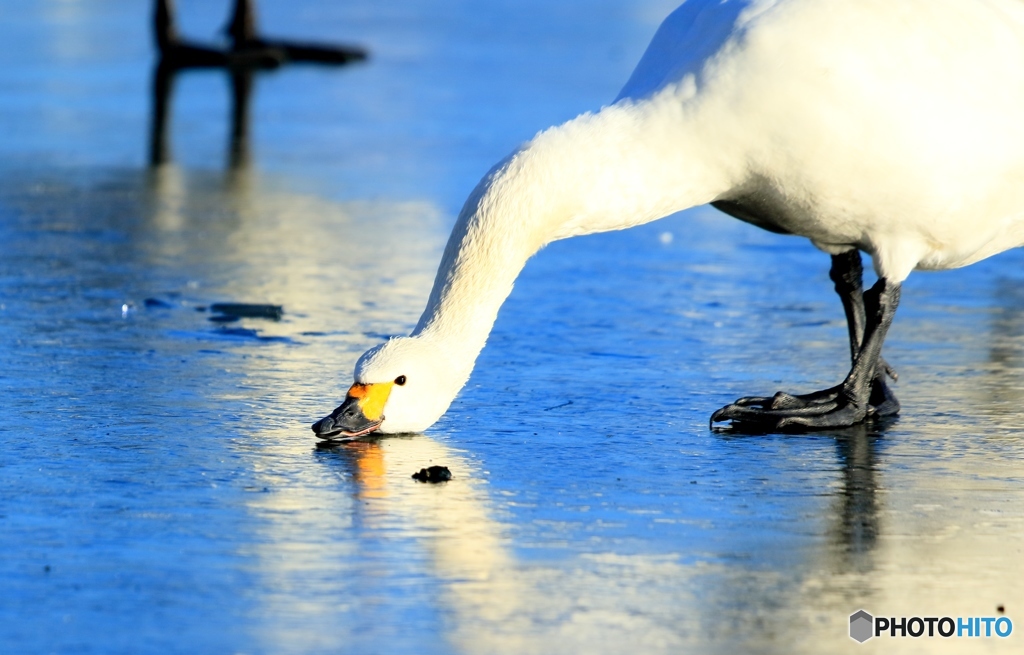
(371, 398)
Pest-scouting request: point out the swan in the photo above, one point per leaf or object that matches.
(890, 128)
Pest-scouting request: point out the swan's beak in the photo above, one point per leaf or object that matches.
(360, 414)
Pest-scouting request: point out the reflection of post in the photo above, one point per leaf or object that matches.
(241, 92)
(855, 532)
(163, 86)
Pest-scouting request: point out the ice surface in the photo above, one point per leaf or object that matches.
(160, 490)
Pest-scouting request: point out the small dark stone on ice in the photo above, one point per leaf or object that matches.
(248, 310)
(433, 474)
(157, 303)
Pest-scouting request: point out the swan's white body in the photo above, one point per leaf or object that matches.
(891, 126)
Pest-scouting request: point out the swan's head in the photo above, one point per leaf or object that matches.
(403, 385)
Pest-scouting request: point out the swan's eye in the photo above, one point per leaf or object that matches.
(400, 380)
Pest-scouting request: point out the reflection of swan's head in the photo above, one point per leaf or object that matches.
(402, 385)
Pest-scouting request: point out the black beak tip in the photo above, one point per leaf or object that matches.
(346, 422)
(324, 427)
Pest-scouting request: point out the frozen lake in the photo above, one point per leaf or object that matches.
(160, 489)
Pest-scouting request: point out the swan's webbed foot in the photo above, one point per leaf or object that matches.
(863, 394)
(881, 402)
(828, 408)
(838, 412)
(784, 400)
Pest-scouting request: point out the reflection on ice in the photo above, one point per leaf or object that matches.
(494, 603)
(854, 531)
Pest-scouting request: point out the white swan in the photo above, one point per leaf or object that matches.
(890, 127)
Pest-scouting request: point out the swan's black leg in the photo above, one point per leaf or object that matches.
(847, 273)
(863, 392)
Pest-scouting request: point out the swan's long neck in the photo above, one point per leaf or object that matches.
(627, 165)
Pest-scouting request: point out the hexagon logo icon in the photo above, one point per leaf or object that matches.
(862, 626)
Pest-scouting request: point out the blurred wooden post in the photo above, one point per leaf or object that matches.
(248, 53)
(242, 27)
